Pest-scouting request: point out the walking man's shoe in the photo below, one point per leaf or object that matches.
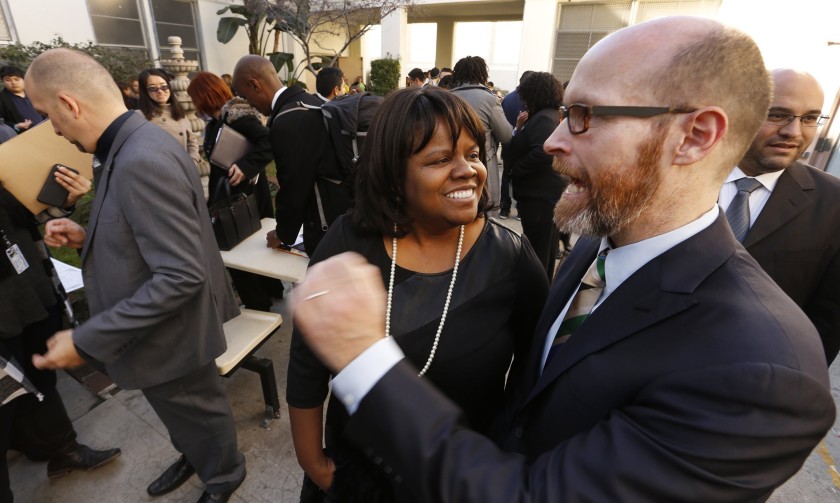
(81, 457)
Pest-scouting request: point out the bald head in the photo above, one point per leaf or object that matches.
(70, 71)
(76, 93)
(256, 80)
(703, 63)
(790, 126)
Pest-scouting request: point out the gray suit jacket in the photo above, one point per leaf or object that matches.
(796, 239)
(157, 289)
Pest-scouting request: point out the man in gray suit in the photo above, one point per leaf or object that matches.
(155, 281)
(789, 220)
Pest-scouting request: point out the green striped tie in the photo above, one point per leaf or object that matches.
(591, 286)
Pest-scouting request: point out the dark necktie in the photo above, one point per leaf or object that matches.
(738, 213)
(591, 286)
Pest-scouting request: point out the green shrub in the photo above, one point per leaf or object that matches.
(384, 76)
(124, 64)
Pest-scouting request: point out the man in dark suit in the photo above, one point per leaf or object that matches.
(302, 151)
(155, 282)
(792, 217)
(667, 365)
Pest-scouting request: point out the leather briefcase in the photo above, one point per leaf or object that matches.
(234, 217)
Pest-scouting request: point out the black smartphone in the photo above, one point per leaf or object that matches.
(52, 193)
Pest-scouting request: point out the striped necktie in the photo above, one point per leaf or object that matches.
(591, 286)
(738, 212)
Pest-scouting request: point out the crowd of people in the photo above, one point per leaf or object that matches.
(679, 353)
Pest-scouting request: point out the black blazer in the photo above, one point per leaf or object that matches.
(530, 168)
(301, 148)
(796, 239)
(697, 379)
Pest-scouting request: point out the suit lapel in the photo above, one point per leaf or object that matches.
(789, 198)
(565, 283)
(103, 177)
(658, 290)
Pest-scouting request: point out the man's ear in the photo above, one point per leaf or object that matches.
(702, 130)
(69, 104)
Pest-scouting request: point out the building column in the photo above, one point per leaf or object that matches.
(539, 18)
(445, 41)
(394, 41)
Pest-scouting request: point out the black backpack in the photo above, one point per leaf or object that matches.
(347, 120)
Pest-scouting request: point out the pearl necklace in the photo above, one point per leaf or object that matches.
(445, 304)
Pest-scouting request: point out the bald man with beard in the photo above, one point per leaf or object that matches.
(667, 365)
(155, 282)
(791, 227)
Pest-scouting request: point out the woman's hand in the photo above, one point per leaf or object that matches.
(321, 472)
(521, 119)
(76, 185)
(23, 126)
(236, 175)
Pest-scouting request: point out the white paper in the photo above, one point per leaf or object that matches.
(71, 277)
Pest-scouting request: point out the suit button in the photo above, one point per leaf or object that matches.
(518, 432)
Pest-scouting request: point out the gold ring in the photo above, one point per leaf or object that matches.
(316, 294)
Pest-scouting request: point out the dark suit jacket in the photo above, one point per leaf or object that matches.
(529, 166)
(156, 285)
(301, 148)
(696, 380)
(796, 239)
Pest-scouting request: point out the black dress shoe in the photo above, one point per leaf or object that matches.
(221, 497)
(172, 478)
(81, 457)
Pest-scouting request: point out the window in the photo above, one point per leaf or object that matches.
(175, 19)
(117, 22)
(5, 32)
(581, 25)
(122, 23)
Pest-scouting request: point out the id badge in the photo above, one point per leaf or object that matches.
(17, 259)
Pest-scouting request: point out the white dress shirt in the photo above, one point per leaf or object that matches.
(277, 95)
(624, 261)
(759, 196)
(356, 380)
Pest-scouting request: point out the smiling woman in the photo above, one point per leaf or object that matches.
(160, 107)
(464, 292)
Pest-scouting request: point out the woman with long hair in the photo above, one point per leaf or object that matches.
(464, 292)
(536, 187)
(160, 107)
(213, 99)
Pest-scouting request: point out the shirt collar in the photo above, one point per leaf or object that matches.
(767, 180)
(103, 145)
(276, 96)
(624, 261)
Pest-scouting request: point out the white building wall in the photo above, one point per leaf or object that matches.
(42, 20)
(218, 58)
(539, 22)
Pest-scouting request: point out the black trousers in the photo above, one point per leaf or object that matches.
(538, 226)
(38, 429)
(195, 410)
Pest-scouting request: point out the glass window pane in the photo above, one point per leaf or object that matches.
(115, 8)
(166, 30)
(506, 46)
(5, 34)
(114, 31)
(170, 11)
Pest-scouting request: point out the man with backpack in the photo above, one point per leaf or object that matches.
(302, 152)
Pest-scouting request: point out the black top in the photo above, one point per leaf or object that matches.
(531, 173)
(496, 301)
(25, 297)
(252, 164)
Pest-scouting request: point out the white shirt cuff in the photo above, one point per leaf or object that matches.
(359, 376)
